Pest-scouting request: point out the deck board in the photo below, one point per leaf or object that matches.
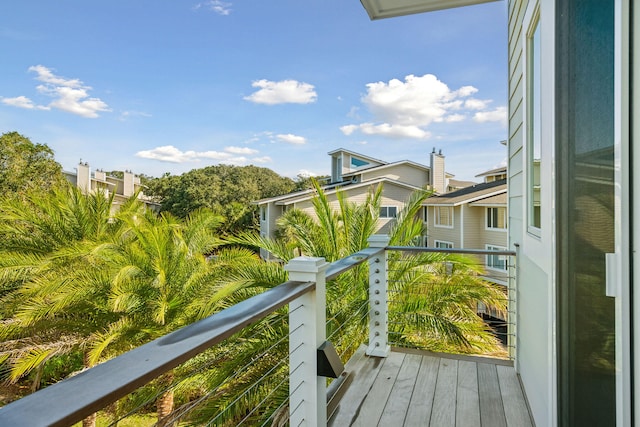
(491, 407)
(443, 413)
(398, 403)
(513, 399)
(467, 398)
(349, 407)
(376, 400)
(432, 390)
(421, 403)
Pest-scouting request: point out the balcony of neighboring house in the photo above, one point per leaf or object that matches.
(297, 376)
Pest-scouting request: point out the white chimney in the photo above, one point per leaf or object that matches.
(83, 177)
(438, 178)
(128, 184)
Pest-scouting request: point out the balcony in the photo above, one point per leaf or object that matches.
(387, 378)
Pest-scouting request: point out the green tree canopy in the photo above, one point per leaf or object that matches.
(227, 190)
(26, 166)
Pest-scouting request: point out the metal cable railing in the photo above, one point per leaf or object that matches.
(233, 368)
(478, 286)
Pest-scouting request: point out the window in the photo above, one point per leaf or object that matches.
(357, 163)
(425, 214)
(440, 244)
(533, 120)
(263, 213)
(496, 262)
(388, 212)
(497, 218)
(444, 216)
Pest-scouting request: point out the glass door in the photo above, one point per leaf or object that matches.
(586, 211)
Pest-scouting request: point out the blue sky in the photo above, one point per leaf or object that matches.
(172, 85)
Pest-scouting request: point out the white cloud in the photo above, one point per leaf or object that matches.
(453, 118)
(240, 150)
(171, 154)
(291, 139)
(282, 92)
(476, 104)
(497, 115)
(125, 115)
(23, 102)
(406, 109)
(70, 95)
(417, 101)
(388, 130)
(264, 159)
(349, 129)
(217, 6)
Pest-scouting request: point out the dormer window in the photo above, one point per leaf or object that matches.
(358, 163)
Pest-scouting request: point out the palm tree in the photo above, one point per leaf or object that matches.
(157, 268)
(54, 289)
(444, 314)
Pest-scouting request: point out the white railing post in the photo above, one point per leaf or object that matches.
(378, 315)
(307, 330)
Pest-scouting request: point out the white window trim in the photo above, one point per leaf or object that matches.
(436, 217)
(532, 19)
(486, 219)
(496, 248)
(435, 244)
(389, 217)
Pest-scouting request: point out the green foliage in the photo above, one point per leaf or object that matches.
(227, 190)
(25, 166)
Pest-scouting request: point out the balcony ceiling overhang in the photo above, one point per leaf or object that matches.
(378, 9)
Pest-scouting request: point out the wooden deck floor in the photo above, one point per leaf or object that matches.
(428, 390)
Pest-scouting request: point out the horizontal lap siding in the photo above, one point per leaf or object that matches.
(403, 173)
(533, 302)
(444, 234)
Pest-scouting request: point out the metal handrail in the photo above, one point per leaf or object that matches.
(338, 267)
(450, 251)
(75, 398)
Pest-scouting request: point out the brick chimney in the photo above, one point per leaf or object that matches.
(438, 178)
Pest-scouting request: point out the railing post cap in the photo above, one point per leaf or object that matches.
(378, 240)
(305, 264)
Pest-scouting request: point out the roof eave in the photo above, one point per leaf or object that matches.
(379, 9)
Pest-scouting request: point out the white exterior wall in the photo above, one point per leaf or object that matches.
(535, 323)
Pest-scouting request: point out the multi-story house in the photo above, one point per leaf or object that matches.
(121, 188)
(354, 175)
(474, 217)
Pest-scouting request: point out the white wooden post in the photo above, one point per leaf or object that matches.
(378, 316)
(307, 330)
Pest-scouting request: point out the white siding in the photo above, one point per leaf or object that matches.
(404, 173)
(535, 353)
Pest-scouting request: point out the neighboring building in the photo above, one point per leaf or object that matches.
(474, 217)
(573, 191)
(122, 188)
(355, 175)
